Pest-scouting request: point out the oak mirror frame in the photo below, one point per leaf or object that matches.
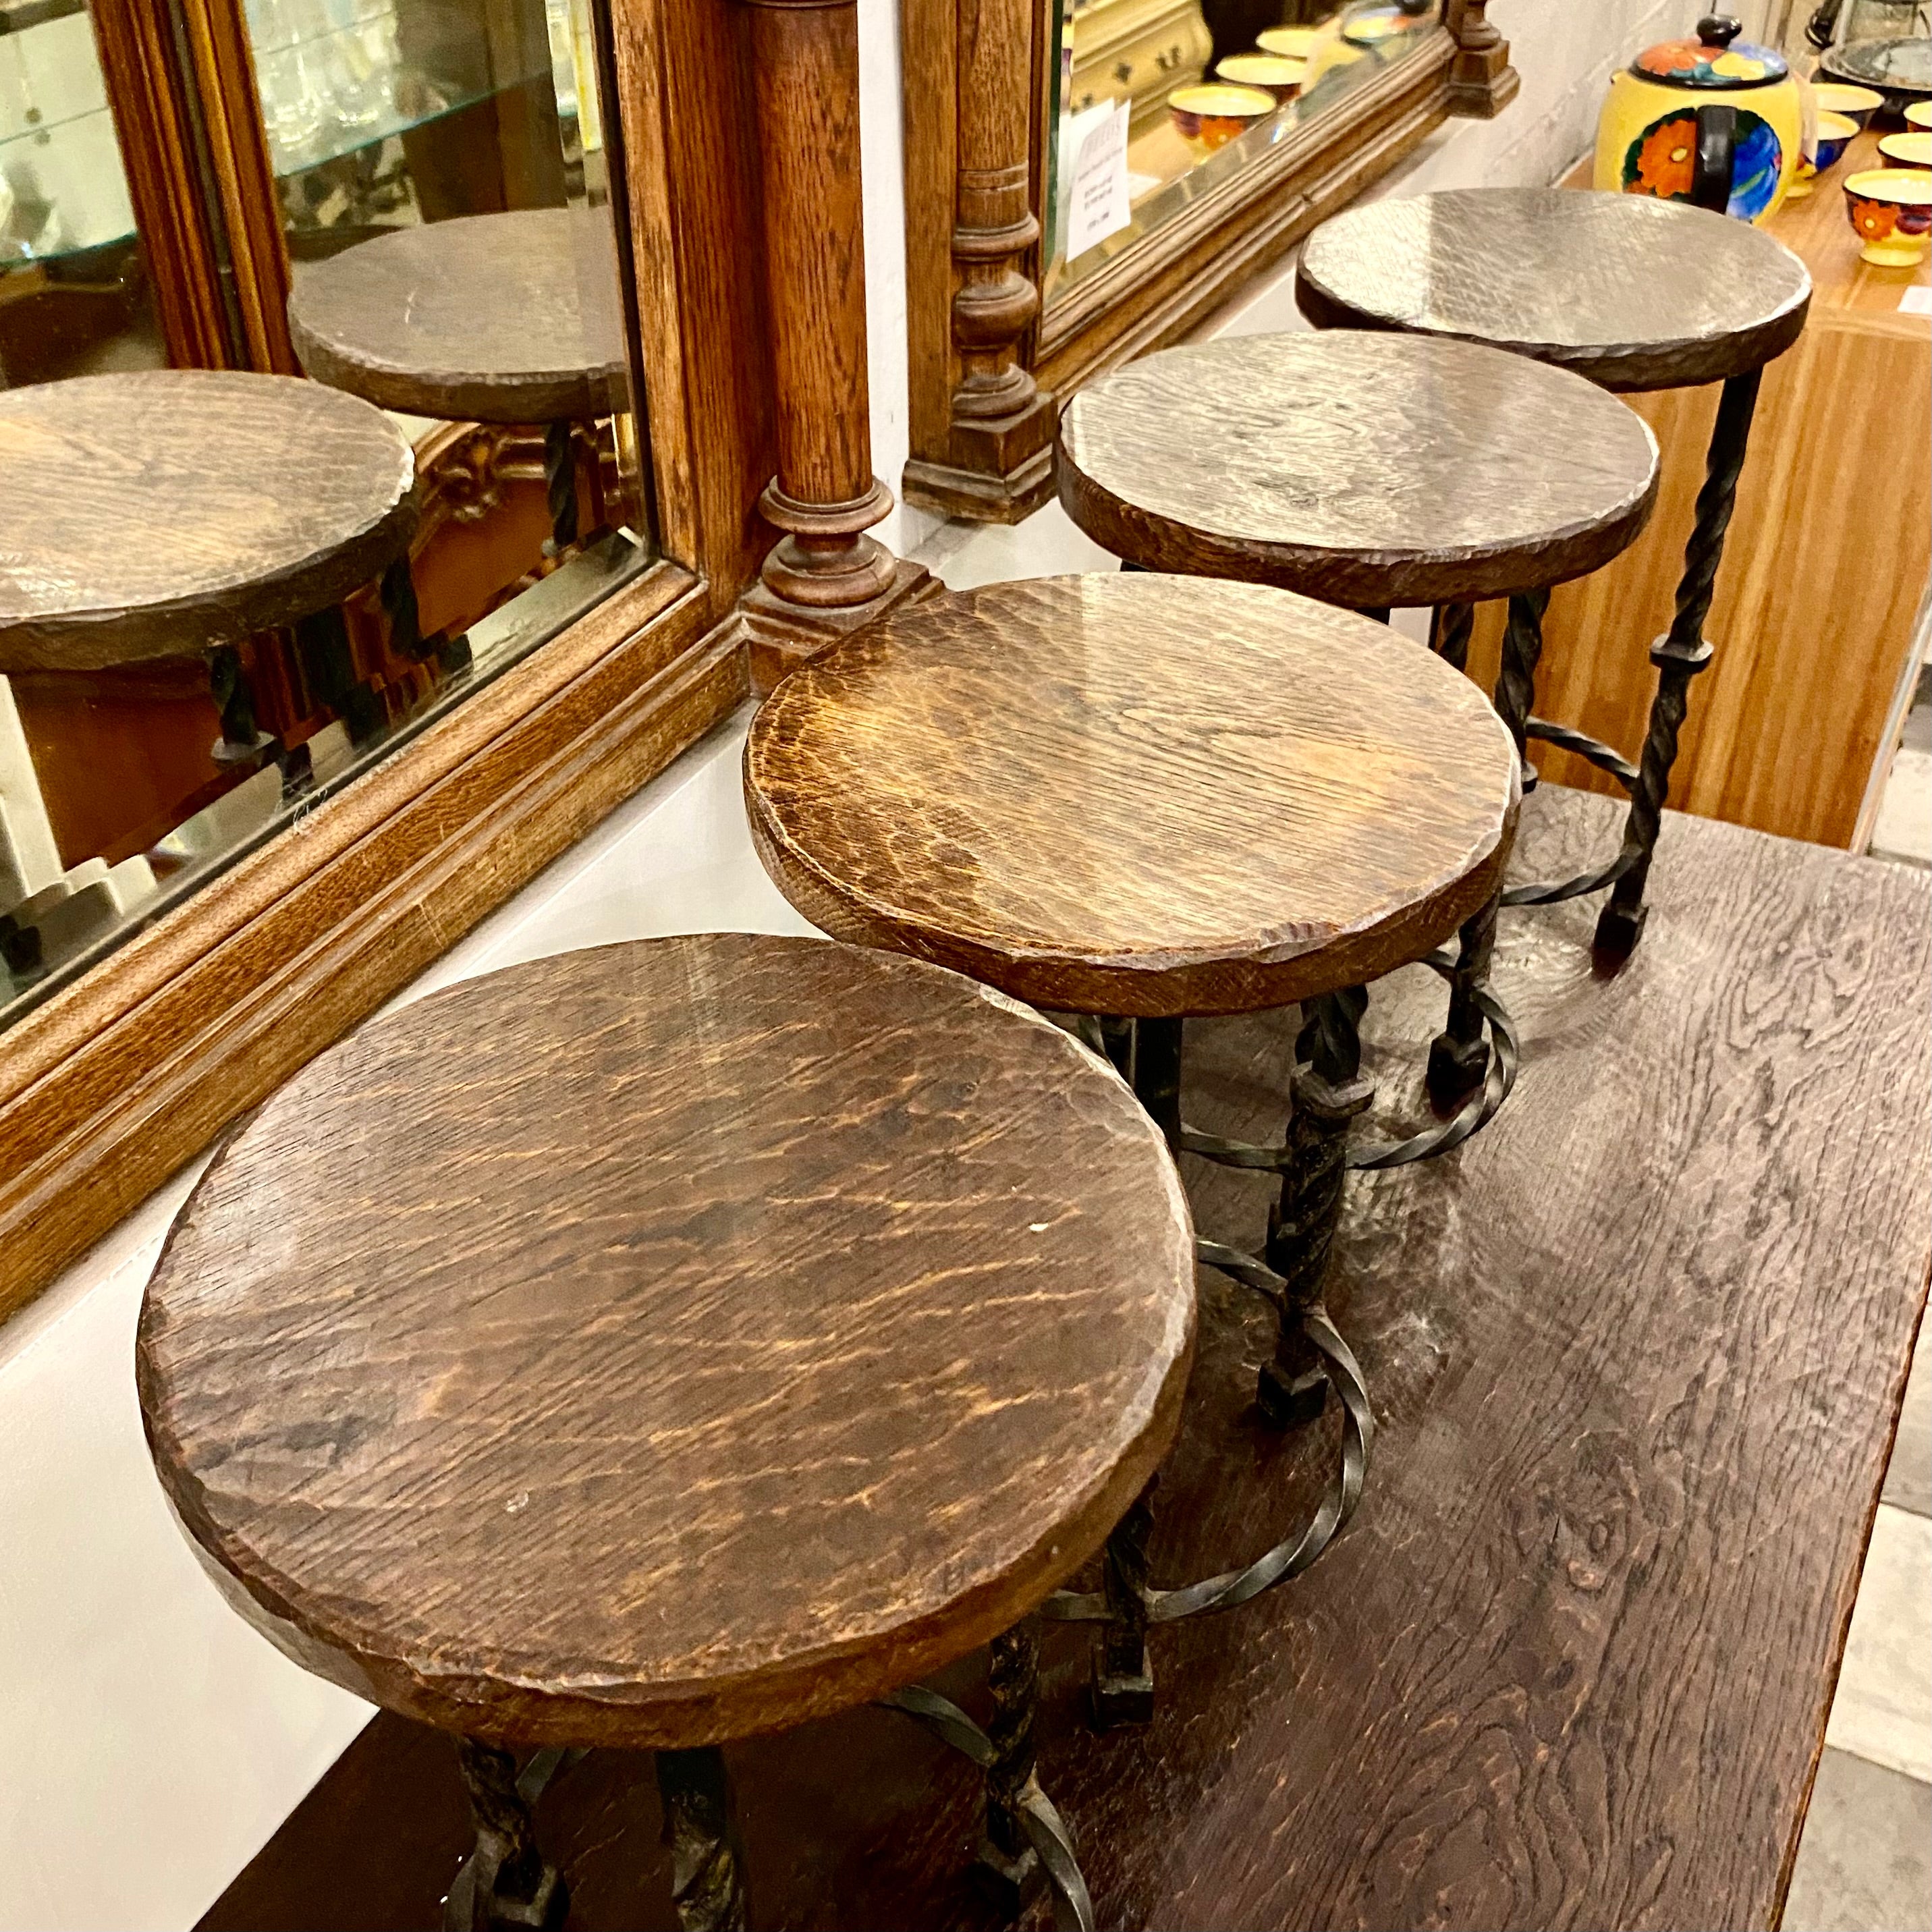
(108, 1086)
(991, 363)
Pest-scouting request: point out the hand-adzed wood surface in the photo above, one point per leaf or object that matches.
(1636, 1350)
(507, 318)
(152, 514)
(1364, 469)
(1633, 292)
(670, 1341)
(1134, 793)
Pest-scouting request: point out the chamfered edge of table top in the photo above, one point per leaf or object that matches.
(1663, 362)
(595, 1711)
(1237, 977)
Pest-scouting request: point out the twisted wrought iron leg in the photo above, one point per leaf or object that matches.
(560, 483)
(241, 736)
(705, 1869)
(328, 669)
(1458, 1056)
(397, 591)
(506, 1886)
(1679, 655)
(1328, 1093)
(1515, 682)
(1121, 1691)
(1449, 634)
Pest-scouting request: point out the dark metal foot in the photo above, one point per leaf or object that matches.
(1458, 1056)
(706, 1867)
(506, 1886)
(1618, 929)
(1121, 1691)
(1289, 1400)
(241, 737)
(328, 670)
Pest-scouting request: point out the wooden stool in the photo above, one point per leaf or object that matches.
(169, 513)
(655, 1345)
(489, 318)
(1137, 798)
(1368, 471)
(1635, 294)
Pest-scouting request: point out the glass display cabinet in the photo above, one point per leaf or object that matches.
(1112, 169)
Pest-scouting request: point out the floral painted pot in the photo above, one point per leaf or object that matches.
(1712, 121)
(1891, 212)
(1273, 73)
(1912, 149)
(1209, 116)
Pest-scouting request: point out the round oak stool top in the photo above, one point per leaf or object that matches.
(1364, 469)
(1633, 292)
(157, 513)
(657, 1344)
(1135, 795)
(509, 318)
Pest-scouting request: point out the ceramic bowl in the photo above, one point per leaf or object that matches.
(1891, 208)
(1836, 133)
(1919, 114)
(1291, 42)
(1273, 73)
(1209, 116)
(1857, 104)
(1912, 149)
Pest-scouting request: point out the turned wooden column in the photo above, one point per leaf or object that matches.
(1482, 82)
(806, 56)
(994, 227)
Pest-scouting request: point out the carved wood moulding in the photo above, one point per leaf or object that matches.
(987, 361)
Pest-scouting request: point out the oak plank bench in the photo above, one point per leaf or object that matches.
(669, 1342)
(173, 513)
(1637, 1355)
(1635, 294)
(1369, 471)
(1136, 798)
(511, 317)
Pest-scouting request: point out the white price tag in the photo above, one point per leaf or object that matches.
(1098, 203)
(1915, 301)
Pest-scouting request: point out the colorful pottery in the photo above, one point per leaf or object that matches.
(1714, 121)
(1836, 133)
(1919, 113)
(1912, 149)
(1292, 43)
(1891, 208)
(1358, 31)
(1211, 116)
(1857, 104)
(1273, 73)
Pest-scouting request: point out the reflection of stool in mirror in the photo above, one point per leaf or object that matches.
(175, 514)
(1367, 470)
(507, 318)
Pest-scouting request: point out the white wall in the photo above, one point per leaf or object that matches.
(154, 1741)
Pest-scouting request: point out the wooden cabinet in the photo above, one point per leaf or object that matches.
(1819, 619)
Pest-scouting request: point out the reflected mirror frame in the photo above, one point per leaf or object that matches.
(109, 1086)
(989, 365)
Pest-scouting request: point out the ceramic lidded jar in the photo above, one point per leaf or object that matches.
(1715, 121)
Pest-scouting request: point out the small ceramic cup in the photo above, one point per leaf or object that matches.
(1836, 133)
(1912, 149)
(1857, 104)
(1890, 209)
(1919, 114)
(1292, 43)
(1273, 73)
(1209, 116)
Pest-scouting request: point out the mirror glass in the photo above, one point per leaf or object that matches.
(1158, 104)
(224, 596)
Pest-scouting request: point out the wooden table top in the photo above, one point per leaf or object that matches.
(1633, 292)
(1134, 793)
(660, 1343)
(154, 513)
(1363, 469)
(1637, 1352)
(510, 318)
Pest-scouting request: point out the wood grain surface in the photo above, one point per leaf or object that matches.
(1635, 1352)
(506, 318)
(154, 514)
(1365, 469)
(1134, 794)
(1633, 292)
(671, 1341)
